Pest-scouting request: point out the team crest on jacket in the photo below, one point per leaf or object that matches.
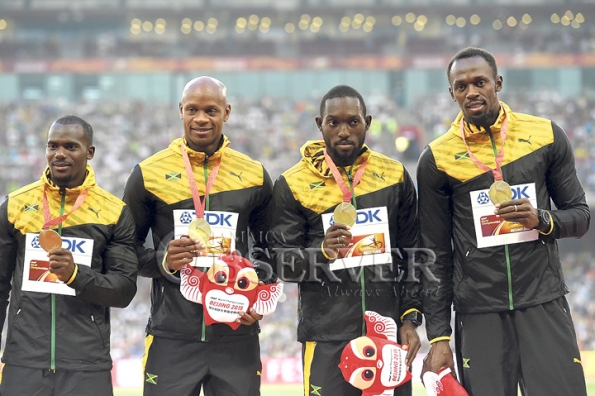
(229, 286)
(375, 363)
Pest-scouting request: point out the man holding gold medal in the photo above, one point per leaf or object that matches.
(197, 210)
(66, 256)
(344, 219)
(486, 189)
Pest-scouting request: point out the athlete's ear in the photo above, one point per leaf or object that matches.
(319, 123)
(499, 81)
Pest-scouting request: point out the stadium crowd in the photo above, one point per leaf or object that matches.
(273, 130)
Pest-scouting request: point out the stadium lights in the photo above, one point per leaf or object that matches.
(303, 24)
(240, 29)
(418, 26)
(212, 22)
(371, 20)
(241, 23)
(211, 29)
(451, 20)
(135, 29)
(306, 18)
(475, 19)
(186, 26)
(555, 18)
(147, 26)
(410, 17)
(527, 19)
(253, 19)
(565, 20)
(263, 28)
(136, 22)
(314, 28)
(397, 20)
(317, 21)
(199, 26)
(266, 21)
(356, 25)
(461, 22)
(568, 14)
(497, 25)
(289, 27)
(358, 19)
(575, 24)
(422, 20)
(579, 18)
(511, 21)
(367, 27)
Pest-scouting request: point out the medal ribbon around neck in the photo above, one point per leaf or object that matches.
(499, 157)
(347, 193)
(199, 206)
(47, 217)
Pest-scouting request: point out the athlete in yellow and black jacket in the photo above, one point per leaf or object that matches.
(332, 311)
(157, 187)
(500, 281)
(377, 270)
(58, 334)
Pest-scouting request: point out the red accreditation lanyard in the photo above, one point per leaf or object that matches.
(47, 217)
(499, 157)
(347, 192)
(199, 205)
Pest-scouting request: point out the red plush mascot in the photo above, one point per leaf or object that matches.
(375, 363)
(229, 286)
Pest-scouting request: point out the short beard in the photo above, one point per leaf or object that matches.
(343, 160)
(60, 181)
(485, 120)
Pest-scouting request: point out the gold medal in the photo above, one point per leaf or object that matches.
(500, 192)
(49, 239)
(346, 214)
(200, 229)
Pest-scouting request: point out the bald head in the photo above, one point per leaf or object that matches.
(203, 110)
(204, 83)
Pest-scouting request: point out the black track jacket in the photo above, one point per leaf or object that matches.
(497, 278)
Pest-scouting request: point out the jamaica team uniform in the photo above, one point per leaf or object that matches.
(181, 352)
(332, 299)
(59, 343)
(513, 323)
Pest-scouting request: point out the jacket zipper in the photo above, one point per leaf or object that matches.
(53, 296)
(506, 252)
(203, 336)
(361, 274)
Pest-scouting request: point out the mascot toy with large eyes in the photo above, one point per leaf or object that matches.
(375, 363)
(228, 287)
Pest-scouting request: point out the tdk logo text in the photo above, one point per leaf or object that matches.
(365, 216)
(520, 192)
(214, 219)
(75, 246)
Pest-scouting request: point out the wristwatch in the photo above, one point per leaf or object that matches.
(545, 219)
(415, 317)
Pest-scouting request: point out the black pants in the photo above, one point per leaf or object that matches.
(534, 348)
(322, 376)
(20, 381)
(182, 368)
